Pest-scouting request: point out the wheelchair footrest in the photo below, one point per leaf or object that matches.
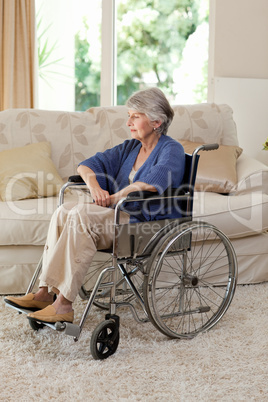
(20, 310)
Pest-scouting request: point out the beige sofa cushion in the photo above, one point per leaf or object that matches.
(76, 136)
(252, 176)
(25, 222)
(216, 169)
(28, 172)
(205, 122)
(236, 216)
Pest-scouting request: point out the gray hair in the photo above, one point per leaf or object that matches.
(153, 103)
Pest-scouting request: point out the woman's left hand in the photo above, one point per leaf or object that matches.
(100, 196)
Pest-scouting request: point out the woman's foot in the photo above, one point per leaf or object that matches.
(43, 295)
(61, 310)
(62, 305)
(50, 315)
(29, 302)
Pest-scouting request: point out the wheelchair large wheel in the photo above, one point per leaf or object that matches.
(191, 280)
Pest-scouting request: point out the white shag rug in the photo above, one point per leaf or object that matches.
(229, 363)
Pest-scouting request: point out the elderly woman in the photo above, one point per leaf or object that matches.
(150, 161)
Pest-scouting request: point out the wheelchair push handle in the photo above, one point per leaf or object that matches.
(210, 147)
(204, 147)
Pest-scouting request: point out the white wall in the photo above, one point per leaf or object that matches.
(249, 99)
(238, 73)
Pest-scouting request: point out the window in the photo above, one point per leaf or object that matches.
(69, 53)
(165, 44)
(99, 52)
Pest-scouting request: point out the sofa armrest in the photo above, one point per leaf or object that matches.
(252, 176)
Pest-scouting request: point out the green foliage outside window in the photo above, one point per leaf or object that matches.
(87, 86)
(151, 36)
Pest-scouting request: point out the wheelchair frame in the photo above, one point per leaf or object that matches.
(181, 276)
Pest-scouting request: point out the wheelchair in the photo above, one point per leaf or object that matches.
(178, 274)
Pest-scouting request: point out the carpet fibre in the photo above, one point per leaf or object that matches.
(228, 363)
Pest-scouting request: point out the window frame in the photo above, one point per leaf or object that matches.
(108, 67)
(108, 94)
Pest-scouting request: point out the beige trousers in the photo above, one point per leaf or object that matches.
(76, 232)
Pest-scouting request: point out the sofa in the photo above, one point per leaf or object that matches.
(40, 149)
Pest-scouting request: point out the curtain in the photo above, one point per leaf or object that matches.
(17, 54)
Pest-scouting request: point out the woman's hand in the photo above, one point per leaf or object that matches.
(137, 186)
(100, 196)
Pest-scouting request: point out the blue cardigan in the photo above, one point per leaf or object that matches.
(164, 168)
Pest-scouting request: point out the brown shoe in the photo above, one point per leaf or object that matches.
(49, 315)
(27, 302)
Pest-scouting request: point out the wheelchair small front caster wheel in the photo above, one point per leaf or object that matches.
(104, 340)
(36, 325)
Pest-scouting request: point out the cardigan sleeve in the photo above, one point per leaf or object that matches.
(107, 164)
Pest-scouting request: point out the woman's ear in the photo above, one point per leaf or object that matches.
(157, 123)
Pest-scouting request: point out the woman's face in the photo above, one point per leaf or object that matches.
(140, 126)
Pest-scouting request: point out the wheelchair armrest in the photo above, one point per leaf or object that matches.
(144, 195)
(76, 179)
(181, 193)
